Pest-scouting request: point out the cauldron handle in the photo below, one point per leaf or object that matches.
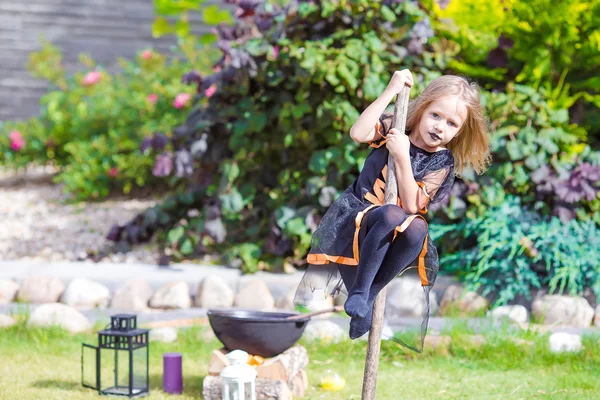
(312, 314)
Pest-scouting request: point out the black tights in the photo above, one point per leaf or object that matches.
(380, 261)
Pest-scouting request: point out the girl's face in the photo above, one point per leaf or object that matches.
(440, 123)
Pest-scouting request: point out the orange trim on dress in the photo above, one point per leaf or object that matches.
(424, 209)
(326, 258)
(320, 259)
(383, 141)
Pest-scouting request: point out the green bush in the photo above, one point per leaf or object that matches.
(517, 249)
(93, 123)
(539, 43)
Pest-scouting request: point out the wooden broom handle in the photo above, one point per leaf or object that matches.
(391, 195)
(312, 314)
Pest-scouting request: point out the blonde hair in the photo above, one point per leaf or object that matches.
(470, 147)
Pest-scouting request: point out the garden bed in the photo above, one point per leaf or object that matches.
(40, 225)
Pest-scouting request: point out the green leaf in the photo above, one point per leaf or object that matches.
(207, 38)
(283, 215)
(175, 235)
(231, 170)
(387, 13)
(187, 247)
(305, 9)
(232, 202)
(161, 27)
(373, 42)
(213, 15)
(296, 226)
(356, 50)
(186, 198)
(331, 77)
(548, 145)
(514, 150)
(249, 253)
(312, 57)
(182, 28)
(348, 75)
(318, 162)
(373, 87)
(174, 7)
(559, 116)
(520, 176)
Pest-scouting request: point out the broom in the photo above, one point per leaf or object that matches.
(391, 194)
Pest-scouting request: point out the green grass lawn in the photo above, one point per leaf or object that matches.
(45, 364)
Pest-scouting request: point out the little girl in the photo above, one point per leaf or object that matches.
(361, 244)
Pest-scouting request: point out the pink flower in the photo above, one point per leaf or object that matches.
(152, 98)
(275, 52)
(16, 140)
(210, 90)
(113, 172)
(147, 54)
(91, 78)
(181, 100)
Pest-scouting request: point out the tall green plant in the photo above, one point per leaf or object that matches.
(517, 250)
(540, 43)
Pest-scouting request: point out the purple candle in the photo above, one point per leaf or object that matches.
(172, 376)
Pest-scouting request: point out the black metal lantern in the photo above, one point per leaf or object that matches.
(118, 366)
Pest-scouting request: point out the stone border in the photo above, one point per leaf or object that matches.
(148, 289)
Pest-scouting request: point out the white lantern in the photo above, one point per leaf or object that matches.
(239, 378)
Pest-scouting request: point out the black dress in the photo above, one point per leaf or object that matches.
(336, 243)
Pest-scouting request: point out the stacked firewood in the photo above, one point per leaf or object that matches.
(282, 377)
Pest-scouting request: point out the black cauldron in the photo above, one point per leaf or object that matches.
(265, 334)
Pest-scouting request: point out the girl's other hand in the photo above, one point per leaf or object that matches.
(397, 143)
(399, 79)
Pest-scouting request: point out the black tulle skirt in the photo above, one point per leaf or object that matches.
(335, 246)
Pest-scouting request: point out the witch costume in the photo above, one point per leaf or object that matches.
(361, 244)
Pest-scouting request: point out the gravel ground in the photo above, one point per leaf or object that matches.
(38, 223)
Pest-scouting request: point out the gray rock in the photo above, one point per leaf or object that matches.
(340, 299)
(563, 310)
(597, 316)
(254, 294)
(6, 321)
(476, 341)
(85, 293)
(174, 295)
(564, 342)
(319, 302)
(133, 296)
(326, 331)
(165, 335)
(439, 344)
(514, 313)
(8, 291)
(61, 315)
(465, 301)
(405, 298)
(214, 292)
(286, 302)
(41, 289)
